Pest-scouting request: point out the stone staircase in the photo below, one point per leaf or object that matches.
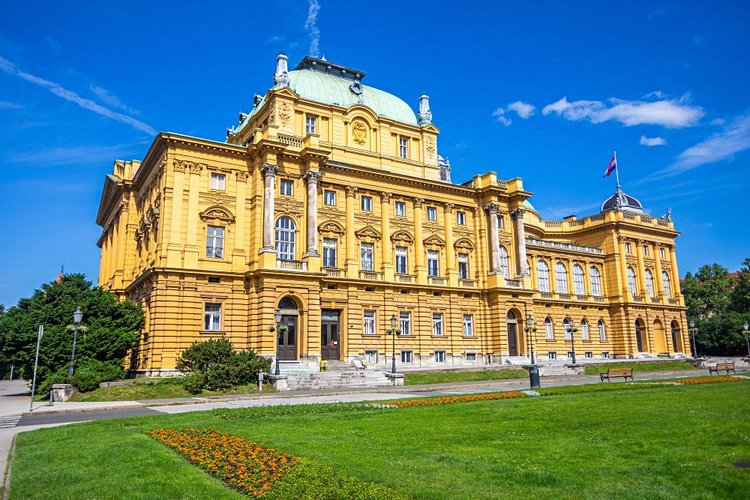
(337, 379)
(552, 370)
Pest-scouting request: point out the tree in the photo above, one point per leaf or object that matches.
(109, 328)
(707, 293)
(741, 292)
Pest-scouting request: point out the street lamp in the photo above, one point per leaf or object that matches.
(744, 329)
(393, 331)
(277, 319)
(529, 334)
(571, 332)
(693, 330)
(77, 317)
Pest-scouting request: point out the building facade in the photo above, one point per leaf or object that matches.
(330, 205)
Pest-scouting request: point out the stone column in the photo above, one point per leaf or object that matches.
(643, 292)
(450, 255)
(311, 177)
(624, 270)
(269, 207)
(675, 274)
(351, 240)
(194, 249)
(492, 210)
(385, 231)
(419, 242)
(520, 232)
(658, 282)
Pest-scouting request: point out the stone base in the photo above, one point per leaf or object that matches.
(63, 392)
(397, 379)
(577, 368)
(279, 383)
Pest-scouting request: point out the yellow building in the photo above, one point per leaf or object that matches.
(330, 204)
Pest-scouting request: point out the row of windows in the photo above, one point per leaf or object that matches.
(549, 329)
(561, 279)
(587, 355)
(629, 249)
(438, 330)
(407, 356)
(649, 283)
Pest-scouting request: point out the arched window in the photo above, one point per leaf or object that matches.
(578, 287)
(542, 276)
(285, 234)
(650, 283)
(287, 303)
(631, 281)
(561, 278)
(585, 329)
(596, 282)
(549, 329)
(602, 331)
(665, 283)
(504, 262)
(567, 325)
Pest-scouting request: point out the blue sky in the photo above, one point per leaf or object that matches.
(540, 90)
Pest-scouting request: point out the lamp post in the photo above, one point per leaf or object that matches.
(744, 330)
(530, 335)
(277, 320)
(571, 332)
(77, 317)
(693, 330)
(393, 331)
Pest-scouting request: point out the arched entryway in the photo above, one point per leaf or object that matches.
(512, 322)
(676, 337)
(286, 338)
(641, 338)
(660, 340)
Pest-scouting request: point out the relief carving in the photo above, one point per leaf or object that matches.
(359, 132)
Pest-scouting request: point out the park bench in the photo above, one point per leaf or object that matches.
(617, 372)
(721, 367)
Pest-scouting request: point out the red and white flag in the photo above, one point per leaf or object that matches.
(612, 165)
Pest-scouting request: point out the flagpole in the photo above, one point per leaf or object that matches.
(617, 170)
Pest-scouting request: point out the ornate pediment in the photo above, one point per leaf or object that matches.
(367, 232)
(331, 227)
(402, 237)
(217, 213)
(463, 244)
(434, 240)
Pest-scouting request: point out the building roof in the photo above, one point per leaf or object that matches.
(622, 202)
(325, 82)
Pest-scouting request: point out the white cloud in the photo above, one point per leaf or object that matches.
(499, 115)
(311, 25)
(522, 109)
(10, 105)
(652, 141)
(673, 113)
(73, 155)
(114, 101)
(70, 96)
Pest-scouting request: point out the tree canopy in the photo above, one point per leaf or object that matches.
(108, 330)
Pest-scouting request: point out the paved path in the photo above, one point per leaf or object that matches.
(15, 398)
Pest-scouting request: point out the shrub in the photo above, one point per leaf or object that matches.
(87, 376)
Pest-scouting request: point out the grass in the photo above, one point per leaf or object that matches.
(652, 366)
(463, 376)
(167, 388)
(625, 441)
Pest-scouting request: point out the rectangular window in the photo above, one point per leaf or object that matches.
(645, 250)
(605, 355)
(437, 324)
(405, 323)
(439, 356)
(463, 266)
(369, 325)
(212, 318)
(588, 355)
(366, 204)
(215, 242)
(468, 325)
(400, 209)
(662, 253)
(461, 218)
(433, 263)
(403, 147)
(406, 357)
(329, 198)
(570, 354)
(329, 252)
(551, 355)
(402, 264)
(310, 127)
(218, 182)
(366, 262)
(371, 356)
(500, 223)
(628, 248)
(471, 357)
(431, 213)
(286, 188)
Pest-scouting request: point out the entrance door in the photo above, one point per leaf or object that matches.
(639, 332)
(512, 334)
(329, 335)
(287, 346)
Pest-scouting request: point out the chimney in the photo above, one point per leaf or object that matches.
(281, 77)
(425, 115)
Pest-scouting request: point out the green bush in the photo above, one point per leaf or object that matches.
(215, 365)
(87, 376)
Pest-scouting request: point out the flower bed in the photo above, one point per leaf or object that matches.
(707, 380)
(456, 399)
(244, 465)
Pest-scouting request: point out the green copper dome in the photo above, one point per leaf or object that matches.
(330, 89)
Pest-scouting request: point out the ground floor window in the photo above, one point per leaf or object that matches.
(439, 356)
(588, 355)
(551, 355)
(371, 356)
(212, 318)
(605, 355)
(471, 357)
(570, 354)
(406, 356)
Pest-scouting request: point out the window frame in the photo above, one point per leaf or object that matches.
(602, 327)
(438, 325)
(460, 218)
(330, 250)
(431, 213)
(579, 285)
(504, 262)
(542, 276)
(217, 181)
(286, 187)
(215, 238)
(329, 198)
(440, 353)
(561, 277)
(365, 203)
(549, 328)
(596, 284)
(433, 263)
(402, 260)
(463, 266)
(407, 353)
(311, 124)
(367, 256)
(403, 147)
(285, 248)
(212, 319)
(399, 208)
(404, 323)
(369, 322)
(468, 325)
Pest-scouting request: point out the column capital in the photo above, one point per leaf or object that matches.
(269, 170)
(448, 207)
(312, 177)
(492, 208)
(351, 191)
(418, 202)
(517, 213)
(385, 197)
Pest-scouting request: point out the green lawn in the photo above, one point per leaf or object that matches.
(651, 442)
(647, 366)
(168, 388)
(463, 376)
